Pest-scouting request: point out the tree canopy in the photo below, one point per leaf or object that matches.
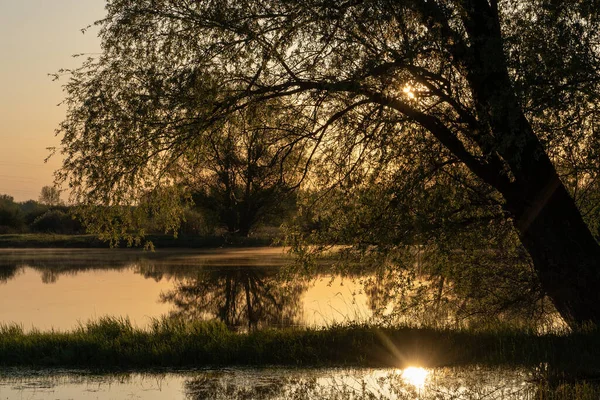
(500, 96)
(247, 173)
(50, 196)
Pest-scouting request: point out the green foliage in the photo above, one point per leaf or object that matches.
(427, 127)
(32, 210)
(357, 96)
(56, 221)
(33, 216)
(197, 223)
(11, 217)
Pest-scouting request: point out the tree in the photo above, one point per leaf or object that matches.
(502, 90)
(31, 210)
(57, 221)
(244, 175)
(50, 196)
(11, 217)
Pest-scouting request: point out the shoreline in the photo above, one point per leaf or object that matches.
(34, 241)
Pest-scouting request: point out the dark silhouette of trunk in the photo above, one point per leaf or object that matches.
(225, 314)
(239, 219)
(565, 255)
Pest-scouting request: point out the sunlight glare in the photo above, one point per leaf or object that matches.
(408, 90)
(415, 376)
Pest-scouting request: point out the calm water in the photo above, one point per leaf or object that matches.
(58, 289)
(272, 383)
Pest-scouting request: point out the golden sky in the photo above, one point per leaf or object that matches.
(37, 38)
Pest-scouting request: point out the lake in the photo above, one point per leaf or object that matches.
(272, 384)
(245, 288)
(59, 289)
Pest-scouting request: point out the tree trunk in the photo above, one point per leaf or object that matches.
(565, 255)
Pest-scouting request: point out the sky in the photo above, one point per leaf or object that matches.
(37, 38)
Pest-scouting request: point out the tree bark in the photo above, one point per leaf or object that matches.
(565, 255)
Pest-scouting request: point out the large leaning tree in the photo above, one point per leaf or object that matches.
(505, 88)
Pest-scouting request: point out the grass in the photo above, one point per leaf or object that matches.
(114, 343)
(47, 240)
(567, 365)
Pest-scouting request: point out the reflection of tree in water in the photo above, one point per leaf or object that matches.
(8, 272)
(476, 382)
(463, 289)
(220, 385)
(52, 267)
(245, 296)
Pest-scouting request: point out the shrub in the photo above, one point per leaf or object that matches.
(56, 221)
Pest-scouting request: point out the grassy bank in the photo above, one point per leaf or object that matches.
(111, 343)
(36, 240)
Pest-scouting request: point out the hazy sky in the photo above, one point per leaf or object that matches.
(37, 37)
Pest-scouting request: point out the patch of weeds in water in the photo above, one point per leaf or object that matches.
(566, 391)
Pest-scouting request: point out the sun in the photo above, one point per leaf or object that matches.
(409, 91)
(415, 376)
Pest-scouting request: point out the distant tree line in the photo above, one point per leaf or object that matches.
(48, 214)
(211, 211)
(33, 216)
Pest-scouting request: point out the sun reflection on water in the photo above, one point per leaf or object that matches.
(415, 376)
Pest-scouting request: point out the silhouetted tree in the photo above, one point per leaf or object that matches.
(11, 217)
(57, 221)
(50, 196)
(244, 176)
(502, 88)
(31, 210)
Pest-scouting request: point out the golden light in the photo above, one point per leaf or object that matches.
(409, 91)
(415, 376)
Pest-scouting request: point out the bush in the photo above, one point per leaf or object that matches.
(11, 217)
(195, 223)
(31, 210)
(56, 221)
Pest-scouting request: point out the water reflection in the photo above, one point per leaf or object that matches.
(238, 385)
(249, 297)
(285, 383)
(242, 288)
(8, 272)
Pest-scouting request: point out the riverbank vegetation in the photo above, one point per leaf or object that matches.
(111, 343)
(51, 240)
(205, 222)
